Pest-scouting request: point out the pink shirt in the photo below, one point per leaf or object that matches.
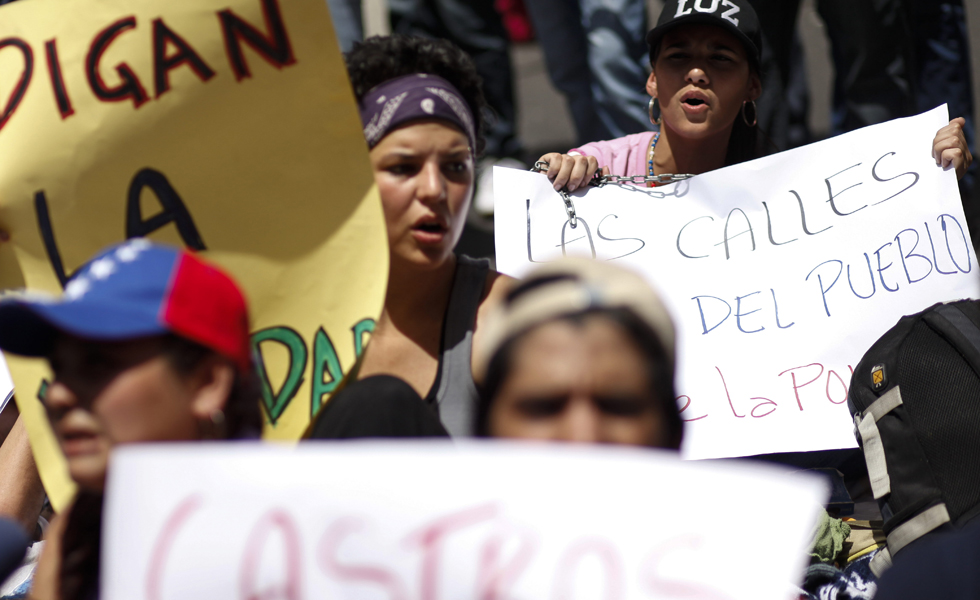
(625, 156)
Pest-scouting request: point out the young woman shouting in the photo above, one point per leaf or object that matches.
(704, 56)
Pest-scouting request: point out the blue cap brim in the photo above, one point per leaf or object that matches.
(30, 328)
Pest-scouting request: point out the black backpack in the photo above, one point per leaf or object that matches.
(915, 399)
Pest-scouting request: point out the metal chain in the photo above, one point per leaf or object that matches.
(569, 207)
(599, 180)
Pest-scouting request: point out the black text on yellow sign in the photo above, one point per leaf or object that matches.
(270, 41)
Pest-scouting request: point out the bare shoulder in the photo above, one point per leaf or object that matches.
(497, 286)
(494, 293)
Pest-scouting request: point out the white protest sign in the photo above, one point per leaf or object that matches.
(455, 522)
(6, 384)
(779, 272)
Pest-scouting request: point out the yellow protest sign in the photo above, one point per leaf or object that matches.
(227, 126)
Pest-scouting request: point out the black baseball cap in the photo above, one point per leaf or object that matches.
(736, 16)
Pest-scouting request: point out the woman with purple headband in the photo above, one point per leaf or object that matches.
(421, 106)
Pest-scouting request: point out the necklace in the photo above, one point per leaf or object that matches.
(653, 144)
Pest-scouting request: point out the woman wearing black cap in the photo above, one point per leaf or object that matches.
(705, 78)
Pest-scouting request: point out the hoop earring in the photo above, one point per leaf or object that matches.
(755, 113)
(654, 104)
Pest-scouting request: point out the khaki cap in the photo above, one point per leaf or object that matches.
(568, 287)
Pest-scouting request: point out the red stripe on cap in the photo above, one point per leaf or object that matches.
(206, 306)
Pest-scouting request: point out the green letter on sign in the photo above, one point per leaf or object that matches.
(276, 403)
(360, 328)
(325, 361)
(43, 390)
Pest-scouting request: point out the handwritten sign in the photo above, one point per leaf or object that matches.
(433, 520)
(779, 272)
(227, 126)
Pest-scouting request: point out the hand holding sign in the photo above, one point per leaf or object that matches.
(950, 149)
(779, 272)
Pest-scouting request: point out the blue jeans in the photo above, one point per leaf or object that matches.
(596, 56)
(476, 27)
(346, 17)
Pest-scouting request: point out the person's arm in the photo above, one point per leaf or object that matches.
(949, 148)
(45, 585)
(21, 492)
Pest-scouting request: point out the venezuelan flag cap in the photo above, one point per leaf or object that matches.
(132, 290)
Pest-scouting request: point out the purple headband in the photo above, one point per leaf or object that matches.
(416, 96)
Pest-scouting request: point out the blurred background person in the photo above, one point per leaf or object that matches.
(348, 22)
(872, 52)
(594, 51)
(891, 59)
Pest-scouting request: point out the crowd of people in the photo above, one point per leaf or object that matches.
(151, 343)
(891, 58)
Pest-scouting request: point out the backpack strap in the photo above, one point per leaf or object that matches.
(917, 526)
(961, 322)
(908, 532)
(866, 426)
(880, 562)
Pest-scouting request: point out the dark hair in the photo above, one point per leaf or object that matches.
(745, 143)
(81, 544)
(243, 417)
(380, 58)
(660, 370)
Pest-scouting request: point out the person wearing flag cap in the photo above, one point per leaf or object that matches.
(148, 343)
(421, 106)
(704, 56)
(580, 351)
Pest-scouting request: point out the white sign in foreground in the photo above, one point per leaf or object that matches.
(6, 384)
(427, 521)
(779, 272)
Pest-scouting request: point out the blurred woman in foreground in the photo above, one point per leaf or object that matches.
(147, 344)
